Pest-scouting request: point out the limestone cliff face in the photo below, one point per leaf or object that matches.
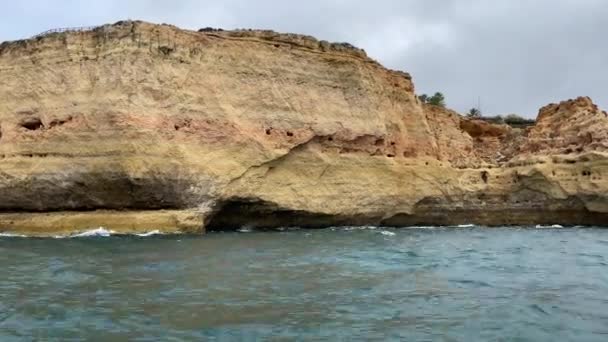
(135, 126)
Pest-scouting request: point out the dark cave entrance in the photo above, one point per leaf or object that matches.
(235, 214)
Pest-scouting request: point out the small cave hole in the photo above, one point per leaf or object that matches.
(586, 173)
(390, 155)
(268, 131)
(330, 139)
(289, 134)
(277, 45)
(484, 176)
(32, 124)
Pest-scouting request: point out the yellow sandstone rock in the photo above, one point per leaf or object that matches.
(138, 127)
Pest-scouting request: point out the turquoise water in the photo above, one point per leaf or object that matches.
(441, 284)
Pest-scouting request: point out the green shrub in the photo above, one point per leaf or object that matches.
(514, 119)
(437, 100)
(474, 113)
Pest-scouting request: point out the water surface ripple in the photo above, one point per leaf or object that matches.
(440, 284)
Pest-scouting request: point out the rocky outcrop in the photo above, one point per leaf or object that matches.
(569, 127)
(138, 127)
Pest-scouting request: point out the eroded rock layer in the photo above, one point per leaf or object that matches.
(136, 127)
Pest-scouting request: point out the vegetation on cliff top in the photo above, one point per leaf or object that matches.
(513, 120)
(436, 100)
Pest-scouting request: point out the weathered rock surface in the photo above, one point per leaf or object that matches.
(567, 127)
(138, 127)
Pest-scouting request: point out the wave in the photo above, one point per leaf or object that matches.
(11, 235)
(99, 232)
(442, 227)
(103, 232)
(375, 229)
(152, 233)
(356, 228)
(554, 226)
(245, 229)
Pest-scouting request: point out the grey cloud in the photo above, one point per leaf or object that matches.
(516, 55)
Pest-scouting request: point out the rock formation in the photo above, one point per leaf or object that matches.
(137, 127)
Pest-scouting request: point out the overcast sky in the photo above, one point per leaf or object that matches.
(515, 55)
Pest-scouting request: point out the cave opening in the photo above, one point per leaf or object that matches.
(236, 214)
(32, 124)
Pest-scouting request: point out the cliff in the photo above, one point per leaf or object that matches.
(136, 127)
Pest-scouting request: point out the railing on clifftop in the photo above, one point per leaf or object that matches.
(67, 29)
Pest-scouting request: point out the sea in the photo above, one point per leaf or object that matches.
(465, 283)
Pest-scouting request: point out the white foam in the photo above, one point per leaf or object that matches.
(11, 235)
(152, 233)
(554, 226)
(245, 229)
(355, 228)
(387, 233)
(99, 232)
(466, 226)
